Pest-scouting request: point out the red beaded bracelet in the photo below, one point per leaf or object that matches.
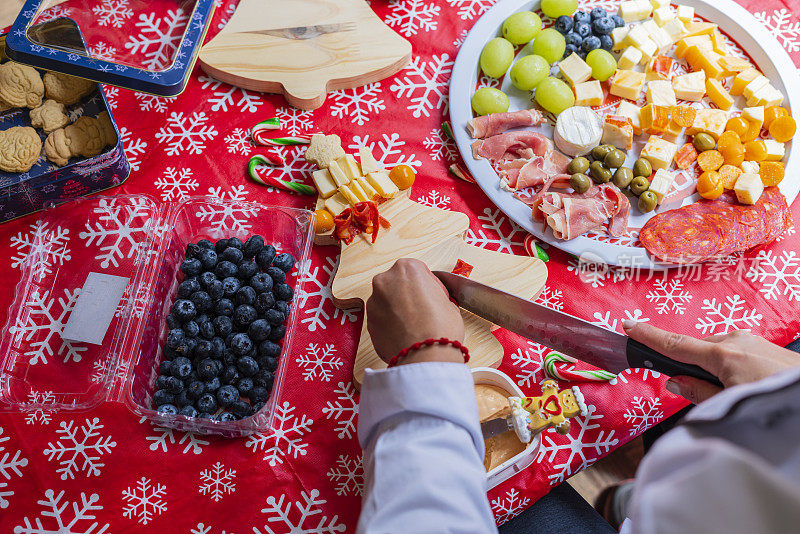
(428, 343)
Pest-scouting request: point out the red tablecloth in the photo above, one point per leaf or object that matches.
(107, 471)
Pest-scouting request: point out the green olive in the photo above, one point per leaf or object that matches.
(578, 165)
(614, 159)
(639, 185)
(600, 173)
(580, 182)
(599, 152)
(623, 177)
(647, 202)
(703, 142)
(642, 167)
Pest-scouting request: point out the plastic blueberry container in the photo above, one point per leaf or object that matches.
(143, 240)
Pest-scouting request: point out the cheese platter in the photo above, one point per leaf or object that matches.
(691, 104)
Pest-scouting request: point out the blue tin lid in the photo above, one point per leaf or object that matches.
(37, 40)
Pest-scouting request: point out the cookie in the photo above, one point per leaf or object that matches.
(323, 149)
(49, 116)
(20, 147)
(66, 89)
(87, 137)
(20, 85)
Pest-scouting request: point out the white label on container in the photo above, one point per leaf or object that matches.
(95, 308)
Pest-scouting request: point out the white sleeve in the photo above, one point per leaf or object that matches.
(423, 451)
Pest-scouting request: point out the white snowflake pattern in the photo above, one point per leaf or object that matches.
(111, 93)
(56, 519)
(100, 370)
(778, 275)
(112, 13)
(42, 325)
(35, 409)
(102, 50)
(359, 104)
(225, 95)
(53, 247)
(238, 142)
(79, 449)
(344, 410)
(308, 519)
(669, 296)
(508, 507)
(529, 362)
(461, 38)
(348, 475)
(469, 9)
(53, 13)
(780, 24)
(285, 438)
(234, 217)
(390, 151)
(205, 529)
(494, 222)
(144, 500)
(319, 361)
(166, 436)
(722, 317)
(411, 16)
(119, 229)
(424, 84)
(157, 104)
(296, 121)
(435, 199)
(440, 147)
(217, 481)
(295, 169)
(134, 148)
(581, 445)
(552, 298)
(642, 414)
(316, 315)
(176, 183)
(126, 308)
(9, 465)
(158, 38)
(606, 321)
(186, 134)
(594, 273)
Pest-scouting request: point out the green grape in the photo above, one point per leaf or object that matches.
(603, 64)
(488, 100)
(522, 27)
(550, 45)
(554, 95)
(528, 71)
(496, 57)
(556, 8)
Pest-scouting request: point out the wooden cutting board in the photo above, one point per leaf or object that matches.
(304, 48)
(435, 237)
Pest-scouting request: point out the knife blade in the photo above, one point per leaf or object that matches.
(575, 337)
(493, 427)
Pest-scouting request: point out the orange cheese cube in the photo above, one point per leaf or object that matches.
(707, 60)
(655, 119)
(734, 64)
(627, 84)
(720, 46)
(742, 79)
(700, 28)
(660, 67)
(618, 131)
(672, 131)
(718, 94)
(701, 41)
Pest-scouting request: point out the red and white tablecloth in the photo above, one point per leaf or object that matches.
(106, 471)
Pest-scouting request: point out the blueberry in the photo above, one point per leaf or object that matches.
(265, 301)
(229, 375)
(247, 269)
(204, 415)
(253, 246)
(235, 242)
(188, 411)
(208, 331)
(192, 250)
(569, 50)
(583, 29)
(206, 278)
(245, 386)
(172, 321)
(582, 54)
(184, 310)
(187, 287)
(247, 366)
(186, 348)
(606, 42)
(173, 384)
(183, 398)
(603, 26)
(202, 300)
(265, 256)
(230, 286)
(590, 43)
(207, 403)
(581, 16)
(283, 307)
(598, 13)
(224, 307)
(203, 349)
(241, 409)
(264, 378)
(215, 290)
(225, 417)
(619, 22)
(257, 406)
(284, 262)
(259, 394)
(563, 24)
(213, 385)
(219, 348)
(174, 338)
(282, 292)
(244, 315)
(227, 395)
(181, 367)
(259, 330)
(220, 245)
(274, 317)
(222, 326)
(208, 258)
(245, 295)
(168, 409)
(161, 382)
(203, 318)
(233, 255)
(241, 344)
(278, 333)
(269, 357)
(162, 396)
(191, 329)
(196, 389)
(165, 368)
(261, 282)
(207, 369)
(573, 39)
(191, 267)
(278, 276)
(205, 243)
(229, 357)
(224, 269)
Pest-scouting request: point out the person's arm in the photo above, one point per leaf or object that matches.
(418, 422)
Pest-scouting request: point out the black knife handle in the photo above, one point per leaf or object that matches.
(642, 356)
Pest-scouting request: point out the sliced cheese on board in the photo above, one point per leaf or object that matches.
(578, 130)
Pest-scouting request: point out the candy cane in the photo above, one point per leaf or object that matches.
(596, 375)
(260, 137)
(533, 248)
(459, 171)
(275, 182)
(273, 123)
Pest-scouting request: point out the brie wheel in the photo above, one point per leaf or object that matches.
(578, 130)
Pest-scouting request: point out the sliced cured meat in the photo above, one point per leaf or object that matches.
(548, 170)
(497, 123)
(499, 146)
(572, 214)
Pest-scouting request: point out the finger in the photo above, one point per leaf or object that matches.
(716, 338)
(692, 389)
(682, 348)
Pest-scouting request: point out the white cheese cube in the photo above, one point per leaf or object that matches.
(382, 184)
(675, 29)
(659, 152)
(760, 96)
(748, 188)
(360, 192)
(660, 93)
(649, 26)
(633, 112)
(324, 183)
(574, 69)
(759, 82)
(349, 195)
(633, 10)
(637, 35)
(685, 14)
(367, 160)
(709, 121)
(772, 98)
(649, 49)
(365, 185)
(751, 167)
(339, 176)
(336, 204)
(775, 150)
(691, 86)
(662, 40)
(659, 3)
(663, 14)
(620, 38)
(631, 57)
(589, 94)
(627, 84)
(661, 183)
(617, 131)
(348, 164)
(754, 114)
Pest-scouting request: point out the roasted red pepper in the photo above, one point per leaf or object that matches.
(366, 214)
(462, 268)
(363, 217)
(343, 224)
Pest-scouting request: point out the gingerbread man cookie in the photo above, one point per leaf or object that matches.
(20, 85)
(323, 149)
(66, 89)
(49, 116)
(20, 148)
(553, 407)
(87, 137)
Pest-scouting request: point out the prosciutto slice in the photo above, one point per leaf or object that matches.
(548, 170)
(509, 144)
(497, 123)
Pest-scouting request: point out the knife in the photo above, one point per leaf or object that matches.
(575, 337)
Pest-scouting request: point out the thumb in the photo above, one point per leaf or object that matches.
(679, 347)
(692, 389)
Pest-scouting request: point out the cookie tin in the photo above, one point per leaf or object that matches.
(144, 241)
(24, 193)
(157, 60)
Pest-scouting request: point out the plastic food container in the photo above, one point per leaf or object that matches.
(515, 464)
(144, 241)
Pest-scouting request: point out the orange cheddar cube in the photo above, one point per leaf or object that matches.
(618, 131)
(734, 64)
(686, 156)
(700, 28)
(655, 119)
(718, 94)
(701, 41)
(706, 60)
(741, 80)
(660, 67)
